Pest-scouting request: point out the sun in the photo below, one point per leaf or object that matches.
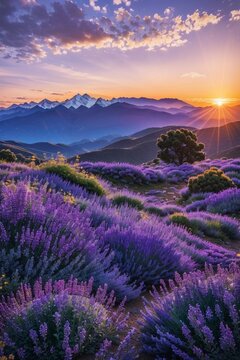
(219, 102)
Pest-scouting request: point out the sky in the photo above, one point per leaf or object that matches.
(109, 48)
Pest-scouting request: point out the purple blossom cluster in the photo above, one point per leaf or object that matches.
(177, 174)
(194, 317)
(59, 320)
(224, 202)
(43, 235)
(207, 224)
(124, 173)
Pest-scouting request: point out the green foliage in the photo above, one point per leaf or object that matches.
(212, 180)
(21, 158)
(7, 155)
(66, 172)
(120, 200)
(180, 219)
(179, 146)
(153, 210)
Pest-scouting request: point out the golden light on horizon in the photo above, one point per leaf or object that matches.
(219, 101)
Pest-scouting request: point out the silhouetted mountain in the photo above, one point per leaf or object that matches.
(68, 125)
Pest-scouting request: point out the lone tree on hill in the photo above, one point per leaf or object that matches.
(7, 155)
(179, 146)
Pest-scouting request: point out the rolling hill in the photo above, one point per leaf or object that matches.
(137, 150)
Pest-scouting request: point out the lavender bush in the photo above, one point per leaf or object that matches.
(124, 173)
(42, 235)
(195, 317)
(164, 210)
(60, 320)
(226, 202)
(146, 253)
(202, 223)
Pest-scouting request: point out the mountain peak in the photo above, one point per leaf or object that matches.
(88, 101)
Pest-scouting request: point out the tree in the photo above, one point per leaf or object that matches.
(179, 146)
(7, 155)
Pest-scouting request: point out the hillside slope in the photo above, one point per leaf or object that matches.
(143, 149)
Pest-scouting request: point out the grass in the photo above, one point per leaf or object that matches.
(66, 172)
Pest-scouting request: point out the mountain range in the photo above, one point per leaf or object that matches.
(88, 101)
(86, 117)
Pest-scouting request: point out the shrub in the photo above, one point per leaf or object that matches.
(59, 320)
(179, 146)
(198, 318)
(120, 200)
(180, 219)
(146, 253)
(212, 180)
(124, 173)
(7, 155)
(225, 202)
(200, 251)
(202, 223)
(42, 235)
(68, 173)
(162, 211)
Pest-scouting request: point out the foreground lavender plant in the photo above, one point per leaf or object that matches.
(60, 320)
(42, 235)
(195, 317)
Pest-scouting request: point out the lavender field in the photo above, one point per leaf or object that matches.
(118, 262)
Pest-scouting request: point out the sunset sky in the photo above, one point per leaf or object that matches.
(109, 48)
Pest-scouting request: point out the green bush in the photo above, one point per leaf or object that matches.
(153, 210)
(212, 180)
(179, 146)
(180, 219)
(125, 200)
(66, 172)
(7, 155)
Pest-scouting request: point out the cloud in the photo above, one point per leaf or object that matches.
(30, 31)
(37, 90)
(235, 15)
(168, 11)
(122, 2)
(93, 4)
(193, 75)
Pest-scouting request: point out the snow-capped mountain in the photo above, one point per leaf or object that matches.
(88, 101)
(104, 103)
(25, 105)
(80, 100)
(47, 104)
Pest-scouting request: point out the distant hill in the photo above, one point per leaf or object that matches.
(134, 149)
(137, 150)
(231, 153)
(219, 139)
(46, 149)
(16, 149)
